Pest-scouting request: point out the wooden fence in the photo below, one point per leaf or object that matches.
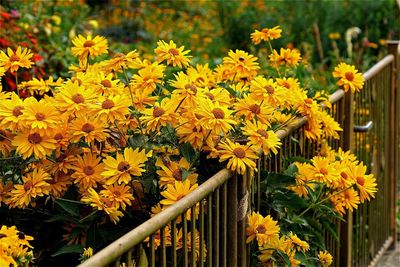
(213, 216)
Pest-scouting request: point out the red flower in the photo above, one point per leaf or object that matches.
(5, 15)
(37, 57)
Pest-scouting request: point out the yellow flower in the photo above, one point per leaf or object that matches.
(147, 78)
(59, 184)
(119, 195)
(13, 60)
(87, 171)
(324, 170)
(253, 109)
(214, 117)
(289, 57)
(89, 128)
(260, 137)
(266, 35)
(325, 259)
(241, 157)
(40, 115)
(349, 77)
(85, 47)
(334, 35)
(120, 61)
(10, 113)
(34, 184)
(172, 54)
(5, 142)
(264, 229)
(176, 191)
(172, 171)
(241, 64)
(41, 86)
(112, 108)
(159, 115)
(101, 203)
(302, 245)
(87, 253)
(197, 248)
(366, 183)
(74, 98)
(120, 169)
(34, 143)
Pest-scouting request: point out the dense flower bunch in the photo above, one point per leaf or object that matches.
(15, 249)
(346, 182)
(115, 124)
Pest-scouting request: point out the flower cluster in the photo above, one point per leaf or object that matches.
(15, 249)
(270, 240)
(346, 180)
(124, 127)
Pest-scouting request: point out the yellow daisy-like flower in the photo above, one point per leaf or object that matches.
(106, 85)
(349, 77)
(101, 203)
(172, 171)
(241, 64)
(264, 229)
(40, 115)
(120, 169)
(329, 126)
(266, 34)
(214, 117)
(87, 171)
(10, 113)
(159, 115)
(302, 245)
(13, 60)
(34, 144)
(324, 170)
(5, 142)
(289, 57)
(260, 137)
(172, 54)
(112, 108)
(34, 184)
(366, 183)
(41, 86)
(252, 109)
(266, 90)
(89, 128)
(119, 195)
(74, 98)
(241, 157)
(59, 184)
(176, 191)
(120, 61)
(85, 47)
(325, 259)
(146, 79)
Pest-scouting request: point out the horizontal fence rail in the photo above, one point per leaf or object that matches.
(207, 227)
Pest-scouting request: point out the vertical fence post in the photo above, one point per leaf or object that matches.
(393, 47)
(346, 228)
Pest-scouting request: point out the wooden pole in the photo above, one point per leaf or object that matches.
(393, 47)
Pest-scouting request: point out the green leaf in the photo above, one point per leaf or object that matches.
(71, 208)
(137, 140)
(288, 200)
(291, 170)
(188, 152)
(68, 249)
(284, 257)
(276, 180)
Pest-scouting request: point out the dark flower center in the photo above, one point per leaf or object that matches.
(323, 171)
(270, 89)
(87, 128)
(58, 137)
(173, 51)
(158, 112)
(88, 43)
(239, 152)
(17, 111)
(40, 116)
(218, 113)
(107, 104)
(28, 185)
(78, 98)
(255, 109)
(123, 166)
(177, 174)
(360, 181)
(191, 87)
(261, 229)
(106, 83)
(34, 138)
(210, 96)
(349, 76)
(14, 57)
(88, 170)
(262, 132)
